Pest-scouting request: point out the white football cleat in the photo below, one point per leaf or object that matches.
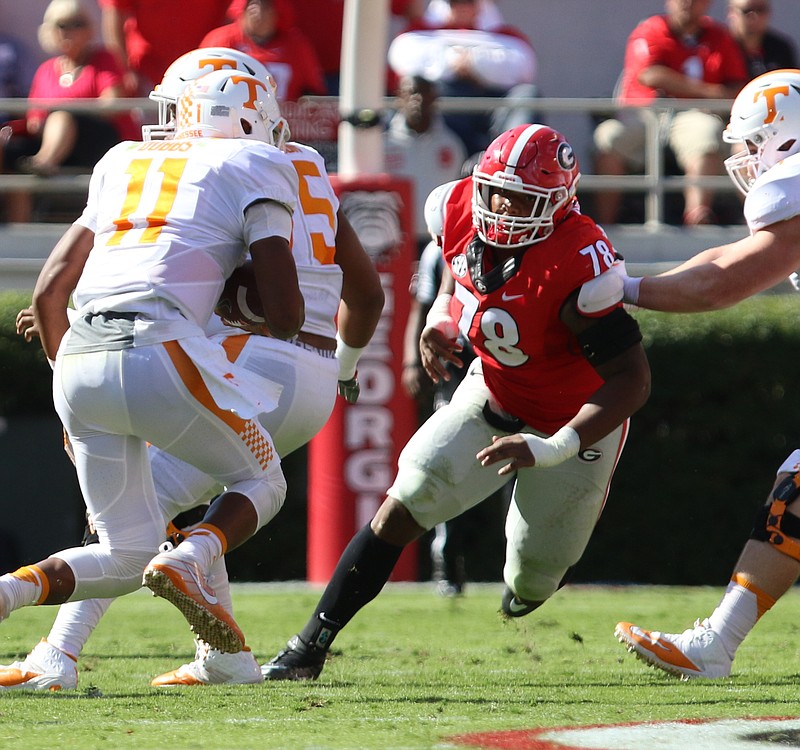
(180, 581)
(213, 667)
(696, 653)
(44, 668)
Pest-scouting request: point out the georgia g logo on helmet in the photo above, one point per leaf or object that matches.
(565, 156)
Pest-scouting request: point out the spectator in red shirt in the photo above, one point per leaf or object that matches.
(48, 139)
(322, 22)
(682, 54)
(147, 35)
(265, 30)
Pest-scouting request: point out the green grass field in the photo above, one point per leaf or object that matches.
(409, 671)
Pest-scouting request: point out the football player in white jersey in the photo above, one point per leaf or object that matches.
(331, 263)
(164, 225)
(765, 125)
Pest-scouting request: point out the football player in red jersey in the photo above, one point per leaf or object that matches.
(560, 369)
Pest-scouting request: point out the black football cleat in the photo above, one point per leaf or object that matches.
(511, 606)
(298, 661)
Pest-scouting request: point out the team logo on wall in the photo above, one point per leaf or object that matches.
(375, 217)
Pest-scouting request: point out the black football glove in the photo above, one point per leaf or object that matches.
(350, 389)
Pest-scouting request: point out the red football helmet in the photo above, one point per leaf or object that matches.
(533, 160)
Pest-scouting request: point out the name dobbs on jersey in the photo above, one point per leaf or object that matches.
(239, 304)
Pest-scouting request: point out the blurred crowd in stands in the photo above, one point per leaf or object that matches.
(443, 48)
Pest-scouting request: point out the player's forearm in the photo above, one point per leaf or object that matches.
(113, 34)
(57, 280)
(362, 292)
(706, 287)
(677, 84)
(359, 316)
(680, 294)
(625, 390)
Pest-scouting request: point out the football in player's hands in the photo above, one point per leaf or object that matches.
(239, 304)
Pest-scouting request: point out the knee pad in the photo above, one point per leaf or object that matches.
(774, 525)
(266, 493)
(101, 573)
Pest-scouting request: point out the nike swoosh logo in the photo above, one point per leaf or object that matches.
(646, 635)
(209, 597)
(508, 297)
(676, 657)
(516, 606)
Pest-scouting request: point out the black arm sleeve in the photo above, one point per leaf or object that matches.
(609, 337)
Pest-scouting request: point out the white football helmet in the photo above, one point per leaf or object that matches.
(765, 120)
(230, 104)
(187, 68)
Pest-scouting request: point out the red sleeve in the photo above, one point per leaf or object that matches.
(307, 75)
(221, 37)
(647, 44)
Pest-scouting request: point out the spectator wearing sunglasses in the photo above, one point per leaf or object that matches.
(48, 139)
(764, 48)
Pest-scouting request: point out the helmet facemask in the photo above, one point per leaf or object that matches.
(166, 120)
(506, 230)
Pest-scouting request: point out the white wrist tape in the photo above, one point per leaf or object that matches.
(630, 290)
(553, 450)
(439, 317)
(348, 358)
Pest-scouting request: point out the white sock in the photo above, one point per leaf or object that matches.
(25, 586)
(218, 580)
(738, 612)
(204, 545)
(74, 624)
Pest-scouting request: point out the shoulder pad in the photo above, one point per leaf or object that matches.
(601, 293)
(773, 197)
(434, 208)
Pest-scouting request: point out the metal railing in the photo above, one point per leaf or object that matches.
(654, 183)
